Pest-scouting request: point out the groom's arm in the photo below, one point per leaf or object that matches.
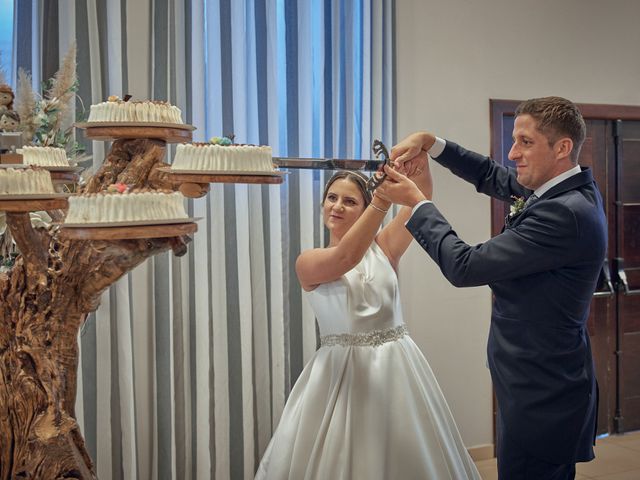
(483, 173)
(544, 240)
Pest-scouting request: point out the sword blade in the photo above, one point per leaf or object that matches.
(327, 164)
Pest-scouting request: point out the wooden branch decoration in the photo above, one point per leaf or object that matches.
(44, 300)
(34, 245)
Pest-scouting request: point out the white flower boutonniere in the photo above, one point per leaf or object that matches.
(517, 206)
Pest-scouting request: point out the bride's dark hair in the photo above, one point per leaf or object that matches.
(357, 178)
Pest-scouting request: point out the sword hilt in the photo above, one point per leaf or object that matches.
(379, 150)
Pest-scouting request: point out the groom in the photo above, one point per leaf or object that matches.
(542, 269)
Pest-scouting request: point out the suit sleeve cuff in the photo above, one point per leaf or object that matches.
(415, 209)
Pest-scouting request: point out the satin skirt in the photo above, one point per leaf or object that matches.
(365, 412)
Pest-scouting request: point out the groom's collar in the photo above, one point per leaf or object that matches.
(545, 187)
(576, 180)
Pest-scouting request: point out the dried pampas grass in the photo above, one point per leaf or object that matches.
(26, 105)
(63, 87)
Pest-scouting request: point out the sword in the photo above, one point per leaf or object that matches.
(379, 150)
(328, 164)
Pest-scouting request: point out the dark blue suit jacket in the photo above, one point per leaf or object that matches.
(543, 270)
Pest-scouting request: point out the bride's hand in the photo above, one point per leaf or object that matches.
(415, 167)
(399, 189)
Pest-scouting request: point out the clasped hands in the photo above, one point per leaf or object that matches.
(409, 167)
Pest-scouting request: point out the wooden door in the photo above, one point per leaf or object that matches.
(628, 273)
(598, 153)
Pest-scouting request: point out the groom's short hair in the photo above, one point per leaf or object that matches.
(557, 117)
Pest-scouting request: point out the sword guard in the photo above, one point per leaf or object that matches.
(381, 153)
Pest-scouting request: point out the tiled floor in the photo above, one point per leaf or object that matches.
(617, 458)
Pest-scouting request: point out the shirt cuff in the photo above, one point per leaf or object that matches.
(437, 148)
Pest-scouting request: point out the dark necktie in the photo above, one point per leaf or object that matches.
(531, 200)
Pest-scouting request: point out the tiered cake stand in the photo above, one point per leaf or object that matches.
(59, 278)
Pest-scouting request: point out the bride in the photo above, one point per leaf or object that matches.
(367, 405)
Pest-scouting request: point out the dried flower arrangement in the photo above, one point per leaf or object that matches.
(45, 120)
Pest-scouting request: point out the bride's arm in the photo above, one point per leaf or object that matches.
(322, 265)
(394, 239)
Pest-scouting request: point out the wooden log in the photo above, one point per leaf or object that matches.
(44, 300)
(194, 190)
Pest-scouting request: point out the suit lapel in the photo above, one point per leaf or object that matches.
(585, 177)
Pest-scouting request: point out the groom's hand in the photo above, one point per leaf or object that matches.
(410, 155)
(399, 189)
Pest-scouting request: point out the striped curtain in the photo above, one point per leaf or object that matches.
(186, 365)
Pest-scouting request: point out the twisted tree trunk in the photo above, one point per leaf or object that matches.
(44, 301)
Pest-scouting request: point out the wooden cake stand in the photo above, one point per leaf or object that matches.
(169, 132)
(34, 202)
(128, 230)
(55, 282)
(71, 175)
(195, 183)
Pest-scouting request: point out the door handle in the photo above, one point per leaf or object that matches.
(606, 279)
(622, 275)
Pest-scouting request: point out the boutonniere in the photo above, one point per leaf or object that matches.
(517, 206)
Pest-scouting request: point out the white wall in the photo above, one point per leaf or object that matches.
(452, 57)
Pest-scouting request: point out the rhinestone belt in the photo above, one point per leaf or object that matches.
(374, 338)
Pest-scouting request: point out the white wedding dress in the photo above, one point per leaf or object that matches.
(367, 405)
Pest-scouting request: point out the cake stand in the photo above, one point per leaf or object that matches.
(34, 202)
(195, 183)
(65, 175)
(128, 230)
(169, 132)
(57, 281)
